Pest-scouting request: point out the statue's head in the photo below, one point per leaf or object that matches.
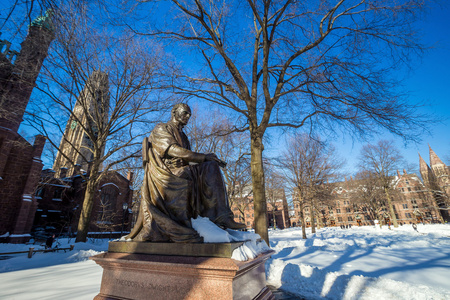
(181, 113)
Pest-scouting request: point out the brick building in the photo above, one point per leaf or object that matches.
(413, 200)
(20, 163)
(60, 200)
(277, 211)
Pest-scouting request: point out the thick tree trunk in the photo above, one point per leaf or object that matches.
(88, 203)
(259, 189)
(391, 208)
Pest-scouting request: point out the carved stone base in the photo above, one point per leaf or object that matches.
(142, 276)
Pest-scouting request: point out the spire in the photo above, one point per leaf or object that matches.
(425, 170)
(434, 159)
(423, 165)
(45, 21)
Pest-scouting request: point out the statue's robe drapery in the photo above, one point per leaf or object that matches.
(173, 191)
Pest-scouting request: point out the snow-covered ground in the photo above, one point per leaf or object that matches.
(334, 263)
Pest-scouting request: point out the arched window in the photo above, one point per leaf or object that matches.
(108, 202)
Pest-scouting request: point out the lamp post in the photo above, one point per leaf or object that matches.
(124, 209)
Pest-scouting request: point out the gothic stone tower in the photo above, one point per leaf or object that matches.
(20, 163)
(436, 178)
(90, 113)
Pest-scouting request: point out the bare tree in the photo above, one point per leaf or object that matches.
(101, 84)
(368, 195)
(321, 64)
(383, 160)
(309, 164)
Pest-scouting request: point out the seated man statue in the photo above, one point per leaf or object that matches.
(179, 184)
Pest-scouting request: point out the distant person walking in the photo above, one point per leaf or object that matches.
(414, 226)
(49, 241)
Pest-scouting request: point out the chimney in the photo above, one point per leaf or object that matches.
(62, 172)
(398, 174)
(130, 176)
(38, 145)
(404, 172)
(76, 170)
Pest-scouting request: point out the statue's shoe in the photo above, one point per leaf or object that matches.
(231, 224)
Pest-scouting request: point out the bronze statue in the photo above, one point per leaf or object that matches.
(179, 184)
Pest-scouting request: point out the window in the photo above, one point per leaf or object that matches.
(339, 219)
(338, 210)
(409, 189)
(405, 206)
(39, 192)
(107, 205)
(248, 215)
(408, 215)
(348, 209)
(350, 219)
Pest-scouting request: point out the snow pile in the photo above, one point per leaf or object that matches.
(211, 233)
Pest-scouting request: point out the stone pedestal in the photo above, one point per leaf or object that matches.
(153, 276)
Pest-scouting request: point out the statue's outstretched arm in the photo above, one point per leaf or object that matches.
(191, 156)
(185, 154)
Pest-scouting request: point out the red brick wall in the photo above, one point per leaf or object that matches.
(18, 169)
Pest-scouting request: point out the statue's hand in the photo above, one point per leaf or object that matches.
(213, 157)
